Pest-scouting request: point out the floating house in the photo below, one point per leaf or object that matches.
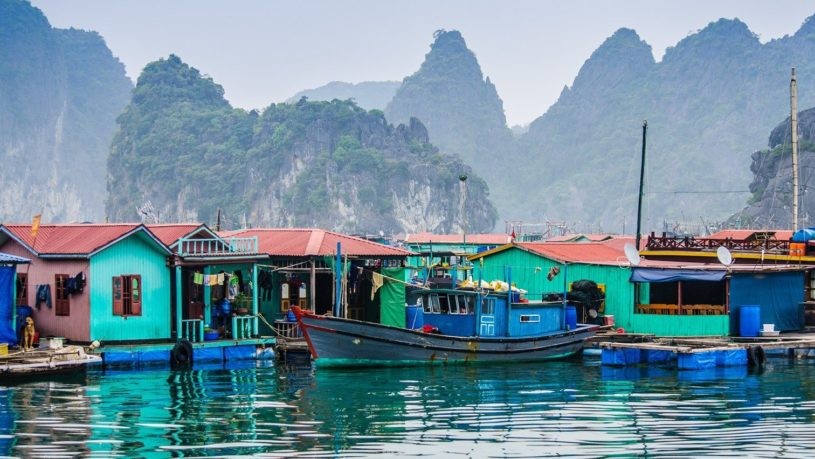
(9, 326)
(91, 282)
(299, 269)
(681, 292)
(212, 281)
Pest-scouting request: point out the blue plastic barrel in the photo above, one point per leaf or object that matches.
(749, 320)
(571, 317)
(414, 316)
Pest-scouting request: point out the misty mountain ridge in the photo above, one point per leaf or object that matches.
(370, 95)
(60, 92)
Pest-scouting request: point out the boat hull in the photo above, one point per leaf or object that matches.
(346, 342)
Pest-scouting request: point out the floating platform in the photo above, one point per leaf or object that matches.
(187, 352)
(702, 353)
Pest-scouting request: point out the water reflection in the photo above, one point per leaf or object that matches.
(560, 408)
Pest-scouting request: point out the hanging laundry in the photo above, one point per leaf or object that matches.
(213, 280)
(43, 295)
(198, 278)
(206, 279)
(376, 280)
(233, 286)
(221, 279)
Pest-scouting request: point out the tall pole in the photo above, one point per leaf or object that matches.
(642, 178)
(462, 209)
(794, 126)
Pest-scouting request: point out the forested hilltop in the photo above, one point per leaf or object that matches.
(182, 152)
(60, 93)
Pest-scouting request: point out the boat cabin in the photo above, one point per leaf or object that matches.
(459, 312)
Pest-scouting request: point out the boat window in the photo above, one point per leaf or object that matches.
(488, 306)
(468, 304)
(454, 307)
(530, 318)
(422, 304)
(444, 304)
(434, 304)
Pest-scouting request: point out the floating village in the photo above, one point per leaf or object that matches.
(133, 295)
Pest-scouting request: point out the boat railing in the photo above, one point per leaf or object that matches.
(288, 330)
(244, 327)
(192, 330)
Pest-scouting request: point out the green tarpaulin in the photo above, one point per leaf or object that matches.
(392, 298)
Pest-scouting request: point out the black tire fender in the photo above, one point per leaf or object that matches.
(756, 356)
(181, 353)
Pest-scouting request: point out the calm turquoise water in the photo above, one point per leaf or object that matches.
(574, 408)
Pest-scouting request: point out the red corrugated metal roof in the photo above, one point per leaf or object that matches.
(170, 233)
(579, 237)
(486, 239)
(70, 239)
(740, 235)
(577, 252)
(308, 241)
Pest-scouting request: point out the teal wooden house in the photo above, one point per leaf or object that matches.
(87, 282)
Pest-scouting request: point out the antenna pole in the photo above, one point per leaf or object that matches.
(794, 129)
(642, 177)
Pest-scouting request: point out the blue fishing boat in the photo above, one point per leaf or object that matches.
(450, 326)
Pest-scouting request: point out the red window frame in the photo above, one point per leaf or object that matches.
(62, 302)
(127, 295)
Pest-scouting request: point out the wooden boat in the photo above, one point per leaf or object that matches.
(46, 362)
(456, 326)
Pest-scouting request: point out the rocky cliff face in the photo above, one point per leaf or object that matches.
(183, 149)
(771, 204)
(60, 93)
(462, 112)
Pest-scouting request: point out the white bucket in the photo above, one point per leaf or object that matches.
(768, 327)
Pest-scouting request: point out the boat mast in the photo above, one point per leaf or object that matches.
(794, 129)
(642, 177)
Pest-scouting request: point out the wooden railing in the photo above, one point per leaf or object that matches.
(691, 243)
(685, 310)
(244, 327)
(226, 246)
(192, 330)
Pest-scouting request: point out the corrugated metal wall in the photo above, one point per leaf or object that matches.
(131, 256)
(74, 326)
(619, 292)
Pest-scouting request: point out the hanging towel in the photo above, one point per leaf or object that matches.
(377, 280)
(221, 279)
(206, 279)
(198, 278)
(213, 280)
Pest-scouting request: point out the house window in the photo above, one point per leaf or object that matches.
(127, 297)
(530, 318)
(62, 305)
(22, 289)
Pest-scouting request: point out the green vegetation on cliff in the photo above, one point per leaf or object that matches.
(184, 149)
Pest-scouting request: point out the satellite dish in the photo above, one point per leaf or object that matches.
(724, 256)
(632, 254)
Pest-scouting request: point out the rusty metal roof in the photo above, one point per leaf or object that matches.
(301, 242)
(170, 233)
(475, 239)
(75, 239)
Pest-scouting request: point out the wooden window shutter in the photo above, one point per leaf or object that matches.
(135, 295)
(118, 306)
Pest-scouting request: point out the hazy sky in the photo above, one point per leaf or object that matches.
(265, 51)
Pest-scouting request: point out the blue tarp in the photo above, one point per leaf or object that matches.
(779, 295)
(7, 333)
(804, 235)
(675, 275)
